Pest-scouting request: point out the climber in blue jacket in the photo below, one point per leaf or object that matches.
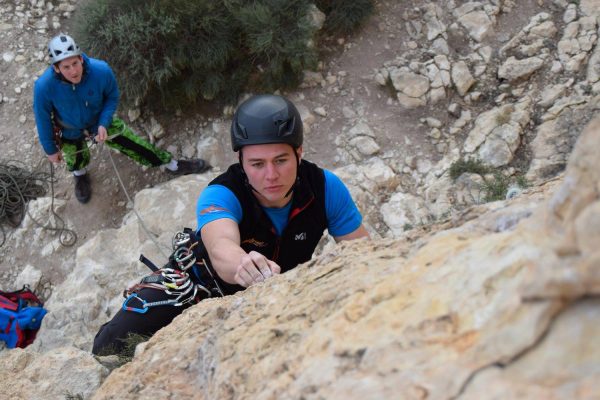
(75, 99)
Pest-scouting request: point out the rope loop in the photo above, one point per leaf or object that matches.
(19, 185)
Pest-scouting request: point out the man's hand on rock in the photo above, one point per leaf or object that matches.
(255, 268)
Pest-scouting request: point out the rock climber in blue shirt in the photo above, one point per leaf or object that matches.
(263, 216)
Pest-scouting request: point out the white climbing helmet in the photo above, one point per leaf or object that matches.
(61, 47)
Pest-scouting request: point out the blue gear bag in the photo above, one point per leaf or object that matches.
(21, 314)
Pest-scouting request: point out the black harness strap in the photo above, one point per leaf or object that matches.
(138, 149)
(148, 263)
(79, 154)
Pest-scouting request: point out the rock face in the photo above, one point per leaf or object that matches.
(53, 375)
(501, 301)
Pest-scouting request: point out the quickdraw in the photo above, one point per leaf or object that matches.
(185, 258)
(180, 239)
(174, 283)
(146, 305)
(173, 279)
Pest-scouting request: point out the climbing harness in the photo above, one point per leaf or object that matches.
(179, 279)
(87, 138)
(176, 284)
(18, 185)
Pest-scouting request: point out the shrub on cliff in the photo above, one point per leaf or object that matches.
(179, 51)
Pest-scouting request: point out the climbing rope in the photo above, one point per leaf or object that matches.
(18, 185)
(150, 234)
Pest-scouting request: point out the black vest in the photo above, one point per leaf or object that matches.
(306, 222)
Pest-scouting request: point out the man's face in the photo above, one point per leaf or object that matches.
(71, 68)
(271, 170)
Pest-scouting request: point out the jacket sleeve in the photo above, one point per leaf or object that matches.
(111, 98)
(42, 109)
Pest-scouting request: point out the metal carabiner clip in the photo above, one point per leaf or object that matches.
(180, 239)
(184, 258)
(132, 296)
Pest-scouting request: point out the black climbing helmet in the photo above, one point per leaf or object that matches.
(265, 119)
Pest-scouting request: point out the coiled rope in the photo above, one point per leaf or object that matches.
(19, 185)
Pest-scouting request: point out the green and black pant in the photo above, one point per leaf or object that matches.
(77, 154)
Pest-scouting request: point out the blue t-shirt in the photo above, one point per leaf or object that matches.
(217, 201)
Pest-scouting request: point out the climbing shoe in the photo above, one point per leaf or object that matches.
(83, 190)
(186, 167)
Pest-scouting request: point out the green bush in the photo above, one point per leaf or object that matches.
(343, 16)
(126, 354)
(461, 166)
(495, 184)
(495, 188)
(180, 51)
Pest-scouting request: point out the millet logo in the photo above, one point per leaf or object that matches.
(300, 236)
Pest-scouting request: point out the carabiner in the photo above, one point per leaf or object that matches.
(142, 310)
(184, 258)
(180, 239)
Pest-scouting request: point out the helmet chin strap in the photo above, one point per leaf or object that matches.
(297, 177)
(246, 182)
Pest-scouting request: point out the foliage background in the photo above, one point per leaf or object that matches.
(183, 51)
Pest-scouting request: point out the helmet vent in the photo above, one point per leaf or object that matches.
(283, 126)
(242, 132)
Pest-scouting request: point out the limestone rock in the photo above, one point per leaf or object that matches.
(513, 69)
(52, 375)
(462, 78)
(477, 23)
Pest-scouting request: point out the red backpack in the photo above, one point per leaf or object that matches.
(21, 314)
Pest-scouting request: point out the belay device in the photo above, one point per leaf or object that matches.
(179, 278)
(21, 314)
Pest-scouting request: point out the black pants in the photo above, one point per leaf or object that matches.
(110, 337)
